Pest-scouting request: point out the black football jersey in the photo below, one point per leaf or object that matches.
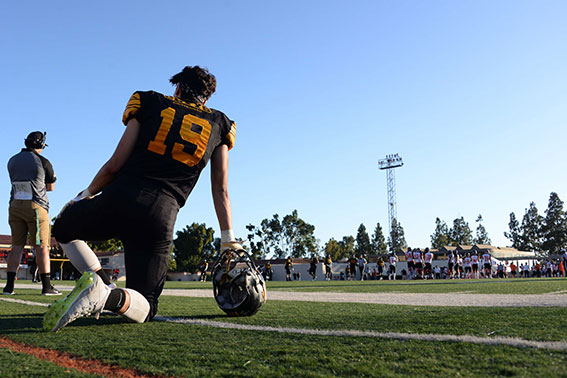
(176, 141)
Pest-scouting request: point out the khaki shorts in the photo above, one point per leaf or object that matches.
(28, 217)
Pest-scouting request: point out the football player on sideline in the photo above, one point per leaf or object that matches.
(137, 194)
(32, 176)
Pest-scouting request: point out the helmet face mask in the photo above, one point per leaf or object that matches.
(238, 286)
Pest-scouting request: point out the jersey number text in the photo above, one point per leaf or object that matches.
(194, 131)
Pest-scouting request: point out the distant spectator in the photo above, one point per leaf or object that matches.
(513, 269)
(538, 270)
(437, 272)
(404, 274)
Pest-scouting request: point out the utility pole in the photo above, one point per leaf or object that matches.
(388, 164)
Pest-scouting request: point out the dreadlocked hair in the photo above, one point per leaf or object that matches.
(196, 83)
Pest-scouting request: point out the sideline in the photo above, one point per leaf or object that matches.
(460, 299)
(495, 341)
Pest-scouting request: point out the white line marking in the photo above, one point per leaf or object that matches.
(498, 340)
(510, 341)
(24, 302)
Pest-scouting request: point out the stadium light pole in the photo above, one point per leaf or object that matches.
(388, 164)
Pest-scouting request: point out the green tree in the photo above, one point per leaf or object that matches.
(363, 246)
(193, 244)
(110, 245)
(378, 242)
(440, 237)
(333, 249)
(554, 228)
(515, 234)
(347, 246)
(291, 236)
(460, 233)
(299, 236)
(397, 239)
(481, 234)
(532, 224)
(258, 248)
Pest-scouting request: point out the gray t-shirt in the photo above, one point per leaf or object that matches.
(29, 172)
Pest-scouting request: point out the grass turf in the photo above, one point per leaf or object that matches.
(188, 350)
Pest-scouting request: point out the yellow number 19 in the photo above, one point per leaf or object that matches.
(198, 136)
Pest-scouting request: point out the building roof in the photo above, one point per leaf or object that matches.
(501, 253)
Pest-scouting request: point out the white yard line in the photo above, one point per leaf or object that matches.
(497, 340)
(29, 303)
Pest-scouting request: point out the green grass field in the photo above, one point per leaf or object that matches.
(173, 349)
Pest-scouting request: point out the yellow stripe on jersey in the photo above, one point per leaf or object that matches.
(132, 108)
(231, 136)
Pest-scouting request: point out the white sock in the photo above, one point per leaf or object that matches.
(82, 257)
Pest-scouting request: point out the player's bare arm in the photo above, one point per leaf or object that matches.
(123, 151)
(219, 186)
(50, 187)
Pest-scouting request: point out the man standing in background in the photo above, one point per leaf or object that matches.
(32, 177)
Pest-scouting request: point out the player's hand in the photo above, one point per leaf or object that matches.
(82, 195)
(232, 244)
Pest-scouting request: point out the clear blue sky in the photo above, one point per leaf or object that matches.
(471, 94)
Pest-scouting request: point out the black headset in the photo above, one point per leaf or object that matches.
(36, 140)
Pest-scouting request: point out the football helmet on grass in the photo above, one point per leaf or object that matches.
(238, 285)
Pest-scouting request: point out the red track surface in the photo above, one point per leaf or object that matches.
(70, 361)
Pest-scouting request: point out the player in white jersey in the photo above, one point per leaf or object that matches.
(450, 264)
(392, 260)
(549, 268)
(467, 262)
(428, 259)
(417, 262)
(458, 265)
(474, 263)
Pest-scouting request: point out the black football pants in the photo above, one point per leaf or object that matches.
(143, 218)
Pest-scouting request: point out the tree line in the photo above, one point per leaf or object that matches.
(279, 237)
(545, 234)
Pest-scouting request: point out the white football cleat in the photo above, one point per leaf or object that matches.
(88, 297)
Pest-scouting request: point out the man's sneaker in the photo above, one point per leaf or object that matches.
(8, 291)
(50, 291)
(88, 296)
